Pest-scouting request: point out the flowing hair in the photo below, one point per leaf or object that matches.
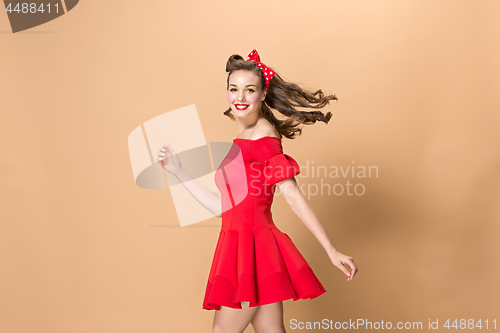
(284, 97)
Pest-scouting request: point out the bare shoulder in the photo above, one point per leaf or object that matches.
(264, 128)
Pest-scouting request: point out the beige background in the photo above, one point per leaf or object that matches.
(83, 249)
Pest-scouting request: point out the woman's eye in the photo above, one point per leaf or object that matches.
(249, 89)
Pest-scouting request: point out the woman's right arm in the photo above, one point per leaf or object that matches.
(204, 196)
(169, 160)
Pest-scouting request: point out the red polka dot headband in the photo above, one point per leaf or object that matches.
(268, 74)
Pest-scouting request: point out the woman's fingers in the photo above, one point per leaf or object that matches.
(167, 149)
(349, 262)
(342, 262)
(162, 153)
(339, 262)
(346, 272)
(165, 152)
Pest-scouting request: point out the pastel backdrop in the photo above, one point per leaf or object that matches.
(84, 249)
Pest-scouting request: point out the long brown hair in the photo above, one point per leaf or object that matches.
(284, 97)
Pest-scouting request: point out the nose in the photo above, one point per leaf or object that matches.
(241, 96)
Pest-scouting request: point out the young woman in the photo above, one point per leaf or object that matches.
(256, 266)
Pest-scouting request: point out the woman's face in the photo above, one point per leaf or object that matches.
(244, 93)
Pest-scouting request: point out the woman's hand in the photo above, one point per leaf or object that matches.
(169, 160)
(340, 259)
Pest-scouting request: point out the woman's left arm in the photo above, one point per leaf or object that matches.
(291, 192)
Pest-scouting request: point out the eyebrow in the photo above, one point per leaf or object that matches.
(248, 85)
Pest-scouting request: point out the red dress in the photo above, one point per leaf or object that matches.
(254, 261)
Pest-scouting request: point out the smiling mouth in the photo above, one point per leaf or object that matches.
(241, 106)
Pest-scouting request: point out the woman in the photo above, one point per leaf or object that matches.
(256, 266)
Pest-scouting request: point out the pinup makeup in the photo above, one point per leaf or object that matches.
(241, 106)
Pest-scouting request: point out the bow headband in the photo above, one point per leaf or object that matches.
(268, 73)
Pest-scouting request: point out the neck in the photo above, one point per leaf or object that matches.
(248, 123)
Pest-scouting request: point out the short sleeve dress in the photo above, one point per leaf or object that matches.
(254, 261)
